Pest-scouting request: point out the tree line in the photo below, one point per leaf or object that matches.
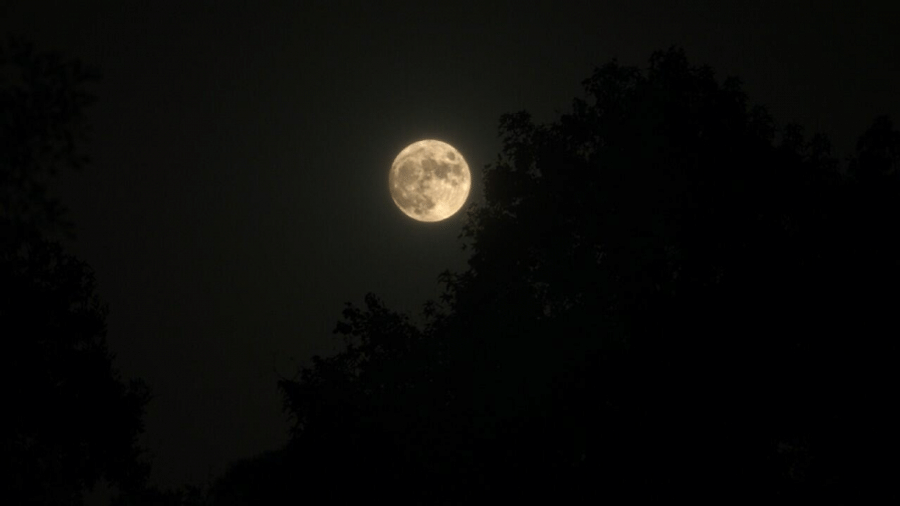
(668, 295)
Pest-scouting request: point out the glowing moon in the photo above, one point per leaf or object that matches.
(429, 180)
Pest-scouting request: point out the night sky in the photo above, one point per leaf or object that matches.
(238, 191)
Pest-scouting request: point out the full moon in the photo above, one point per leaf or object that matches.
(429, 180)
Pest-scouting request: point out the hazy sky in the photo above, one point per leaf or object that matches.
(238, 195)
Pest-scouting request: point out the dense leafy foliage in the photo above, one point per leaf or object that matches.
(69, 418)
(668, 296)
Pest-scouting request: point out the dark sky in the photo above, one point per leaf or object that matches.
(238, 194)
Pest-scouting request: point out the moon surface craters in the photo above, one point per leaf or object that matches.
(429, 180)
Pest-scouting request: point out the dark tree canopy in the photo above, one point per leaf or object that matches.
(42, 102)
(878, 154)
(69, 418)
(668, 296)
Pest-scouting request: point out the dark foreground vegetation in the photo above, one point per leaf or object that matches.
(668, 296)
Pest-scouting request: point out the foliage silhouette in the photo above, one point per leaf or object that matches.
(70, 418)
(42, 102)
(668, 296)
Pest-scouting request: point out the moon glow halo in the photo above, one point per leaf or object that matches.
(429, 180)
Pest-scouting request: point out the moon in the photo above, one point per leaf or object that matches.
(429, 180)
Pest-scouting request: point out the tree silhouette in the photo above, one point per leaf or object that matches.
(878, 152)
(70, 418)
(667, 296)
(43, 98)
